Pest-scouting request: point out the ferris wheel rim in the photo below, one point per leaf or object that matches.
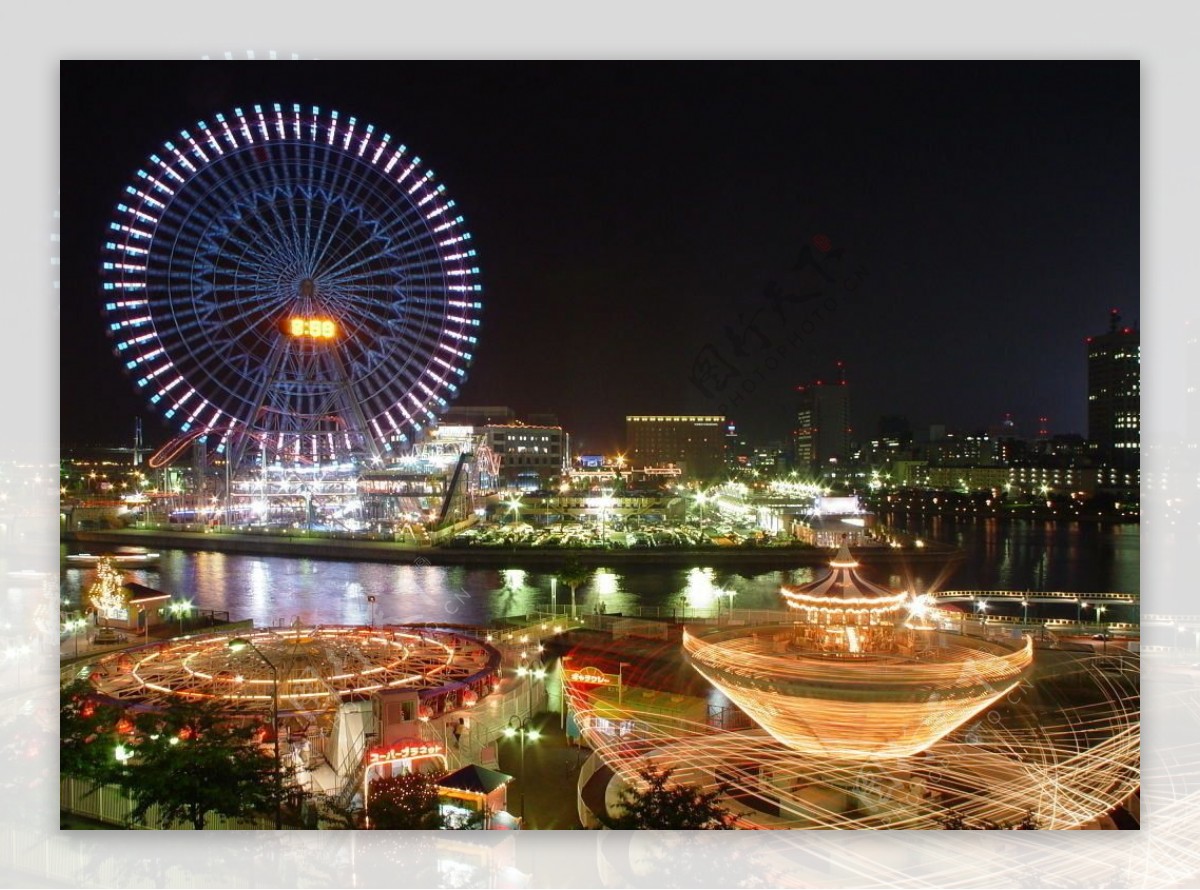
(219, 235)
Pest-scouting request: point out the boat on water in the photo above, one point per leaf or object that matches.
(139, 560)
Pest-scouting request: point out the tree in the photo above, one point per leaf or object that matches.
(572, 575)
(108, 593)
(404, 802)
(192, 759)
(663, 805)
(88, 734)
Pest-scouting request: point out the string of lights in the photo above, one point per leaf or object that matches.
(318, 666)
(1063, 765)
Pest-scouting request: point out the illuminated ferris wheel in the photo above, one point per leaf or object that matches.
(291, 281)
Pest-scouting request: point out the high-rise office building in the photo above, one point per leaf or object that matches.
(1114, 393)
(694, 442)
(822, 434)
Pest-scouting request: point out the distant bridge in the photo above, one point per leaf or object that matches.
(1036, 596)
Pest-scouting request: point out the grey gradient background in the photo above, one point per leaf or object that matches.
(1166, 853)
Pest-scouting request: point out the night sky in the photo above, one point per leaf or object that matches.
(701, 237)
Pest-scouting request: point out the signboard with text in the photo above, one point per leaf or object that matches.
(591, 676)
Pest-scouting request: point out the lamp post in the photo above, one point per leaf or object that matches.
(621, 681)
(75, 625)
(180, 608)
(531, 672)
(554, 596)
(1079, 607)
(515, 506)
(562, 693)
(237, 645)
(522, 726)
(1025, 608)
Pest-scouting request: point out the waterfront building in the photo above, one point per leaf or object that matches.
(835, 520)
(531, 457)
(693, 442)
(1114, 393)
(822, 433)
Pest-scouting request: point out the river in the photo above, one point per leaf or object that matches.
(1000, 554)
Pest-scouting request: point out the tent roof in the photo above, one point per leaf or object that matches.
(474, 779)
(842, 581)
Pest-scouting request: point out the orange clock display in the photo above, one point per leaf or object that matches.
(310, 328)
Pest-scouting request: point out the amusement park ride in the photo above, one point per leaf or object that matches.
(295, 293)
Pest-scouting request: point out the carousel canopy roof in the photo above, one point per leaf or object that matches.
(842, 582)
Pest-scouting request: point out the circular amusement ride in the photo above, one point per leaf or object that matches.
(292, 288)
(862, 707)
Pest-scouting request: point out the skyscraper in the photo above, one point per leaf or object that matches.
(822, 434)
(1114, 394)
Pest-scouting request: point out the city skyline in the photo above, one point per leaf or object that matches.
(653, 236)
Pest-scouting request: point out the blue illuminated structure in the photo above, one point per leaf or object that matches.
(294, 282)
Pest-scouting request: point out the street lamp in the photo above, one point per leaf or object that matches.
(1025, 607)
(604, 503)
(1079, 607)
(532, 672)
(237, 644)
(621, 681)
(562, 691)
(1100, 610)
(522, 726)
(75, 625)
(180, 608)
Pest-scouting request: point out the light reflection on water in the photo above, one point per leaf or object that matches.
(278, 590)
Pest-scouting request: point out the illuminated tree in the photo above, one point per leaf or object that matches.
(108, 593)
(404, 802)
(661, 804)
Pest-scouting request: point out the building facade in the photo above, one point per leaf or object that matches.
(531, 457)
(822, 434)
(1114, 394)
(693, 442)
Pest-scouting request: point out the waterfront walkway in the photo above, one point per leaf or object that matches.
(299, 543)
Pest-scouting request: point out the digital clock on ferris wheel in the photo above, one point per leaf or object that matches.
(310, 328)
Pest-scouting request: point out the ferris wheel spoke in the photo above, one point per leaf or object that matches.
(326, 235)
(373, 267)
(386, 241)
